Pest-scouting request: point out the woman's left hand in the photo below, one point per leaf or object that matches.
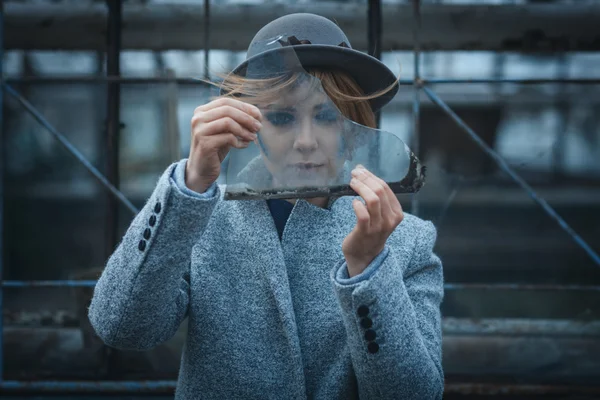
(376, 220)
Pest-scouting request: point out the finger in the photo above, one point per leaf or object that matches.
(362, 215)
(392, 199)
(372, 201)
(239, 116)
(242, 144)
(377, 186)
(395, 205)
(228, 101)
(224, 141)
(226, 125)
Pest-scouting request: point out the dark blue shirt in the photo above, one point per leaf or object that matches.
(280, 211)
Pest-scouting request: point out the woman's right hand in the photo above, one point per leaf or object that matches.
(217, 127)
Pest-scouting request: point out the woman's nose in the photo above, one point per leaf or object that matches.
(305, 139)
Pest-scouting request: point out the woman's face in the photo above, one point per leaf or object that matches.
(301, 138)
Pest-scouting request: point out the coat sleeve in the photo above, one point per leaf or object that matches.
(142, 295)
(393, 322)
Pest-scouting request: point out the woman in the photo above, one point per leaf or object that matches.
(319, 298)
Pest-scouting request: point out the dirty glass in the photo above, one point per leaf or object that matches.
(307, 147)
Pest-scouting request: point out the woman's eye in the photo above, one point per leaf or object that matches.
(280, 118)
(327, 116)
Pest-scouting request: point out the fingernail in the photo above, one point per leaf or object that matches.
(257, 126)
(360, 166)
(254, 136)
(353, 182)
(357, 171)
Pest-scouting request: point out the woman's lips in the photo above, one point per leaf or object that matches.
(305, 173)
(306, 166)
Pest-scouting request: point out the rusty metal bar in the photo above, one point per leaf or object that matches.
(374, 28)
(70, 80)
(564, 115)
(63, 140)
(2, 163)
(530, 28)
(520, 286)
(374, 31)
(78, 79)
(46, 283)
(447, 286)
(168, 387)
(515, 177)
(113, 120)
(416, 111)
(520, 327)
(206, 38)
(519, 81)
(499, 389)
(374, 37)
(153, 387)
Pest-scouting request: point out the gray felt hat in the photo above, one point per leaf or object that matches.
(315, 41)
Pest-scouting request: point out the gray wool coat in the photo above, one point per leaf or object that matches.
(271, 319)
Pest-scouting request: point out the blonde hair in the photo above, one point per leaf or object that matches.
(341, 88)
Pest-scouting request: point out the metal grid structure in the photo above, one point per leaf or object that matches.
(111, 183)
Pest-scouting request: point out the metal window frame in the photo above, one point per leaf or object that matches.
(114, 81)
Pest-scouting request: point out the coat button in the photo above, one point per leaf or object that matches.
(157, 207)
(363, 311)
(142, 245)
(366, 323)
(370, 335)
(373, 347)
(152, 220)
(147, 233)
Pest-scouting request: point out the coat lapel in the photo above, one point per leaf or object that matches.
(271, 261)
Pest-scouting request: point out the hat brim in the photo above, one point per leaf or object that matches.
(369, 73)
